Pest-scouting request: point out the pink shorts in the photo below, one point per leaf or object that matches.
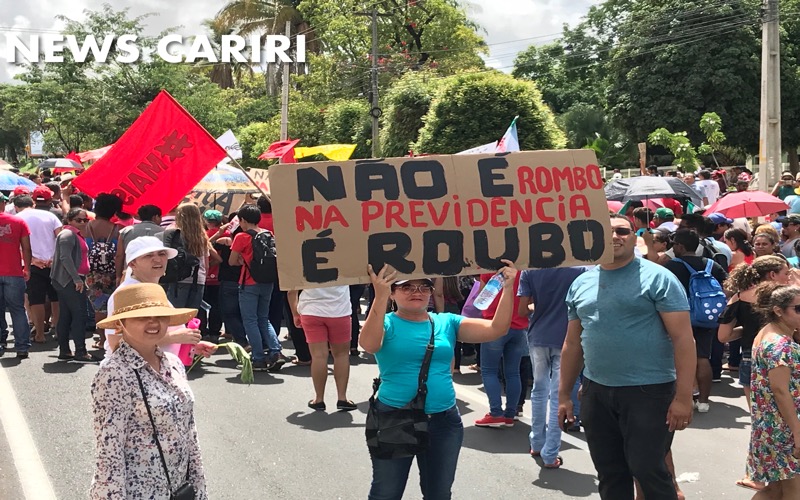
(333, 330)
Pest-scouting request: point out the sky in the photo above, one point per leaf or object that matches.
(508, 26)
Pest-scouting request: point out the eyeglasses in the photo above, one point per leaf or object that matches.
(621, 231)
(80, 219)
(409, 288)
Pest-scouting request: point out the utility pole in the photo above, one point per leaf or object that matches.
(769, 144)
(376, 110)
(285, 92)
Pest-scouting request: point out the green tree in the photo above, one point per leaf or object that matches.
(406, 103)
(348, 122)
(474, 109)
(677, 59)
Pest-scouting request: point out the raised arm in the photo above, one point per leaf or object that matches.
(476, 331)
(371, 337)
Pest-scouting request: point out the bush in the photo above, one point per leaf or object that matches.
(475, 109)
(406, 103)
(348, 122)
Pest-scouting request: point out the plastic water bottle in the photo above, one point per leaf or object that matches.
(186, 352)
(489, 292)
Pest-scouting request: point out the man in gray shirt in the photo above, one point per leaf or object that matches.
(150, 217)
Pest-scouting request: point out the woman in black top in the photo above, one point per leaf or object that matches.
(741, 321)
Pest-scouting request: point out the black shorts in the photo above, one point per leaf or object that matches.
(703, 338)
(40, 288)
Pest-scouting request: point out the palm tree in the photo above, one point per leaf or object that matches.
(226, 75)
(268, 17)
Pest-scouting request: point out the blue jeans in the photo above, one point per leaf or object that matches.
(254, 304)
(437, 466)
(71, 318)
(545, 433)
(510, 349)
(12, 294)
(231, 315)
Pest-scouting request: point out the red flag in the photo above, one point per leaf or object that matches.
(159, 159)
(281, 149)
(73, 156)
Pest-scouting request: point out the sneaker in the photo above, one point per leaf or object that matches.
(275, 363)
(22, 355)
(510, 421)
(260, 366)
(702, 407)
(490, 421)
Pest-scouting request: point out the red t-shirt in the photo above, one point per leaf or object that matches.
(266, 223)
(242, 243)
(517, 322)
(12, 230)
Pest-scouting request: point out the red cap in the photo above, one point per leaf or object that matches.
(42, 193)
(21, 190)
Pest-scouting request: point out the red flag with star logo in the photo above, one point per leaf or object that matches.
(157, 161)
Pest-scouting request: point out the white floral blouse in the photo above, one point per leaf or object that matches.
(128, 464)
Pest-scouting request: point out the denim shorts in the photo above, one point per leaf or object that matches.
(745, 367)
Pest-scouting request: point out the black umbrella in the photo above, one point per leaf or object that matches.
(645, 188)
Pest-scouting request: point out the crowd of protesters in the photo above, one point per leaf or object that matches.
(547, 336)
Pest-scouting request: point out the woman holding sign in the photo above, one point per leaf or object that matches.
(399, 341)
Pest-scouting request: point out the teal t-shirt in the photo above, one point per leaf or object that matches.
(624, 340)
(400, 359)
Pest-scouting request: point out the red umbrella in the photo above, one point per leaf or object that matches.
(747, 204)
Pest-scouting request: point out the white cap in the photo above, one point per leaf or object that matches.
(144, 245)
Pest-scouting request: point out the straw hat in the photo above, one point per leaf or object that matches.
(143, 301)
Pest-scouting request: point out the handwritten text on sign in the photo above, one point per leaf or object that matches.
(437, 215)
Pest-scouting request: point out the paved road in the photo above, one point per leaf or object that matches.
(261, 441)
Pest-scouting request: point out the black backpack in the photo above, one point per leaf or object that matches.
(711, 252)
(264, 266)
(184, 264)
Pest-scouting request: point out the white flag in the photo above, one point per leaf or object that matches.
(231, 144)
(486, 148)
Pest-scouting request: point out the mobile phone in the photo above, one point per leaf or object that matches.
(641, 231)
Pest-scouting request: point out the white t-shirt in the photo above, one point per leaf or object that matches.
(711, 189)
(669, 225)
(328, 302)
(43, 225)
(130, 280)
(11, 209)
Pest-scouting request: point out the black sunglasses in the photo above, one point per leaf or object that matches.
(621, 231)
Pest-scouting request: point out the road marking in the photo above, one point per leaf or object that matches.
(477, 398)
(30, 470)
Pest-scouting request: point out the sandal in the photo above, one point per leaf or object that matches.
(555, 465)
(750, 484)
(297, 362)
(535, 454)
(346, 405)
(317, 406)
(97, 345)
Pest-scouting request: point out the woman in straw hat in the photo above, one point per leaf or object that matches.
(146, 439)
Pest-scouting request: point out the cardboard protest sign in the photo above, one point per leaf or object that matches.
(225, 202)
(260, 177)
(437, 215)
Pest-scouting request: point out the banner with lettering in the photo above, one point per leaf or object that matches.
(437, 215)
(157, 161)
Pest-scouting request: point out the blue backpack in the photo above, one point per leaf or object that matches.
(707, 301)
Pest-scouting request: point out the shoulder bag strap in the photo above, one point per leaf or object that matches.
(153, 424)
(422, 387)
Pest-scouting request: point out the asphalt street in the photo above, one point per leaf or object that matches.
(261, 441)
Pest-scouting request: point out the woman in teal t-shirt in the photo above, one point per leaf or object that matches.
(398, 340)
